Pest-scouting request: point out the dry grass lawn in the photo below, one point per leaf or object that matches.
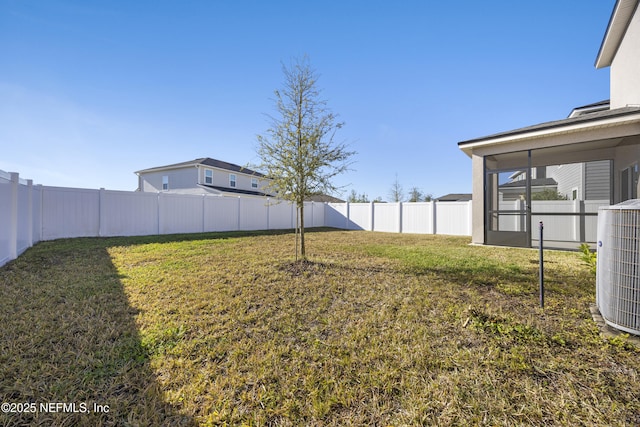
(377, 329)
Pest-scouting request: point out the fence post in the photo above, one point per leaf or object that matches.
(203, 213)
(372, 217)
(434, 220)
(399, 217)
(101, 214)
(239, 213)
(30, 212)
(158, 204)
(582, 221)
(40, 211)
(268, 212)
(346, 216)
(13, 221)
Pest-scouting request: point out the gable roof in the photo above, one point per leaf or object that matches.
(455, 197)
(618, 23)
(205, 161)
(323, 198)
(591, 108)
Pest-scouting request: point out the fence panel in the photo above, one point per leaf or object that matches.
(417, 218)
(221, 213)
(318, 213)
(310, 213)
(591, 222)
(386, 217)
(253, 214)
(36, 213)
(70, 212)
(335, 215)
(567, 228)
(282, 215)
(25, 221)
(359, 216)
(180, 213)
(125, 213)
(515, 220)
(453, 218)
(6, 213)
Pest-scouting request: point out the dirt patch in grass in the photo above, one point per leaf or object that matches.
(375, 329)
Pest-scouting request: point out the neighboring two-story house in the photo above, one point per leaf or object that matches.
(204, 176)
(591, 157)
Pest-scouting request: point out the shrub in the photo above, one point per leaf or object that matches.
(588, 256)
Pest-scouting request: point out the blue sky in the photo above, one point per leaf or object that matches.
(91, 91)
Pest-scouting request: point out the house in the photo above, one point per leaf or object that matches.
(590, 158)
(323, 198)
(204, 176)
(561, 182)
(454, 197)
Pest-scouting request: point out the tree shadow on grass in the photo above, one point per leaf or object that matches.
(70, 351)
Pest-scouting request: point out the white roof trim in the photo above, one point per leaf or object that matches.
(618, 23)
(561, 130)
(169, 167)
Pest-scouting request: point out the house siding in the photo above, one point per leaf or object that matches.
(221, 179)
(625, 67)
(569, 177)
(597, 180)
(178, 178)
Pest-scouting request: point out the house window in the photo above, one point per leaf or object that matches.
(208, 176)
(254, 182)
(165, 182)
(232, 180)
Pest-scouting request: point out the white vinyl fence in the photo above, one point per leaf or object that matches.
(574, 226)
(453, 218)
(31, 213)
(72, 212)
(564, 220)
(16, 216)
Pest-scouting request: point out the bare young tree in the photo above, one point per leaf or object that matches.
(299, 152)
(415, 195)
(396, 192)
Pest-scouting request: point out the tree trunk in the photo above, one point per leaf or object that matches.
(296, 230)
(303, 254)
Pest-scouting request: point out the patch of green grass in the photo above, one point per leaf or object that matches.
(376, 329)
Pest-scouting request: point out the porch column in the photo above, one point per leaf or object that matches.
(477, 206)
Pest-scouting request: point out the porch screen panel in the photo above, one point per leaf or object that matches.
(566, 198)
(507, 220)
